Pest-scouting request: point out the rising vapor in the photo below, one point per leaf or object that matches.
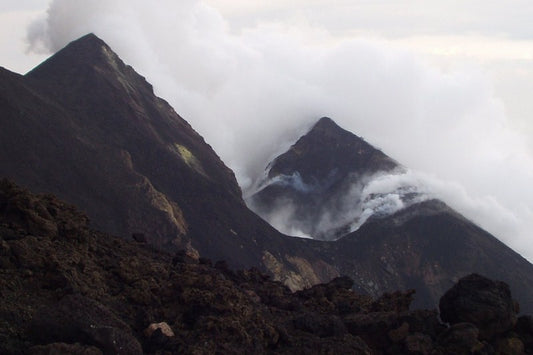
(252, 93)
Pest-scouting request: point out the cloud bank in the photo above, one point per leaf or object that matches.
(252, 93)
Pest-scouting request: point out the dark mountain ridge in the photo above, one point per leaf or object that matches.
(87, 128)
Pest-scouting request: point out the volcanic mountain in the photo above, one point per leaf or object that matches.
(326, 186)
(315, 188)
(86, 127)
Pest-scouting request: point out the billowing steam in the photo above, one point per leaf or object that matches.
(386, 194)
(252, 92)
(379, 195)
(375, 196)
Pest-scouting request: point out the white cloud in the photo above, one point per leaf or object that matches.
(250, 92)
(390, 18)
(22, 6)
(12, 39)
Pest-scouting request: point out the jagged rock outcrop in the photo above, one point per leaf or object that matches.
(482, 302)
(483, 318)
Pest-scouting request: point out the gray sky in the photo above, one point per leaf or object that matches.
(442, 86)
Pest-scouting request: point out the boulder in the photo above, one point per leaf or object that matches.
(485, 303)
(158, 335)
(165, 329)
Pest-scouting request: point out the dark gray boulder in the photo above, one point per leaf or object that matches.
(485, 303)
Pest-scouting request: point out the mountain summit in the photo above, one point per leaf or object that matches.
(317, 176)
(327, 154)
(86, 52)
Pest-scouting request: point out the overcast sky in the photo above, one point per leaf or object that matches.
(442, 86)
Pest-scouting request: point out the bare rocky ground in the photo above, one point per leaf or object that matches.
(67, 289)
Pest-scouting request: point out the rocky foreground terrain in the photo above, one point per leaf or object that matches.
(67, 289)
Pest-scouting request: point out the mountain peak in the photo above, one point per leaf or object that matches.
(327, 147)
(326, 126)
(314, 173)
(78, 57)
(89, 48)
(85, 64)
(90, 39)
(325, 122)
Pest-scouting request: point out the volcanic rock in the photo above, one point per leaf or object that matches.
(112, 288)
(163, 326)
(485, 303)
(158, 335)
